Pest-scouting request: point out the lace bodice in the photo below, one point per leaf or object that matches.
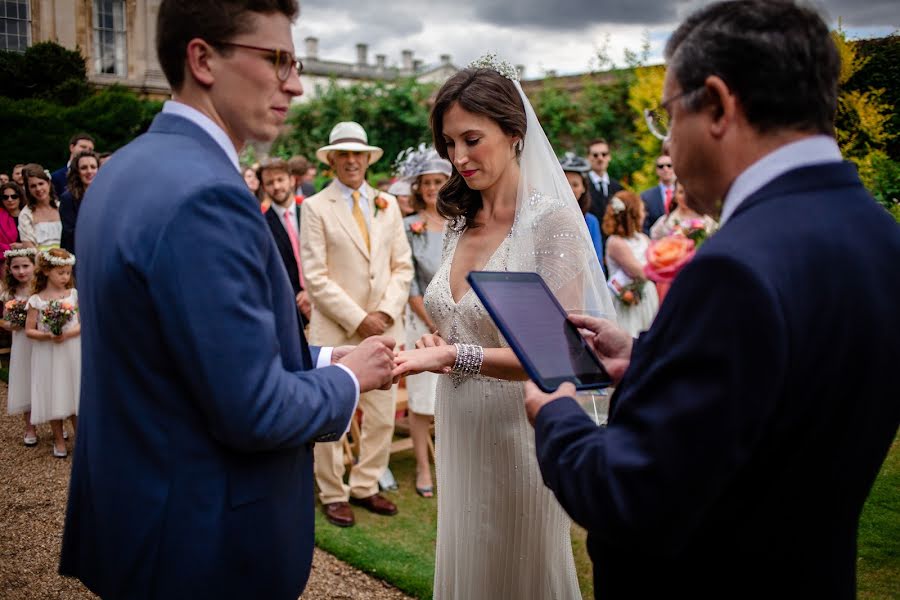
(550, 242)
(466, 322)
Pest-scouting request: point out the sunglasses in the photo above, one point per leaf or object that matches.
(10, 196)
(599, 154)
(663, 165)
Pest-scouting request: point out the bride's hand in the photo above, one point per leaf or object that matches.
(435, 359)
(430, 340)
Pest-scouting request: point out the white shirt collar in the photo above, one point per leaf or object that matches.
(180, 109)
(814, 150)
(598, 178)
(347, 191)
(290, 210)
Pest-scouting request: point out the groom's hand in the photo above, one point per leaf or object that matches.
(372, 362)
(535, 399)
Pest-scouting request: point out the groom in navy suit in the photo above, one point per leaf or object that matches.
(200, 403)
(750, 421)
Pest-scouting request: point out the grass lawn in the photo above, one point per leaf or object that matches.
(400, 549)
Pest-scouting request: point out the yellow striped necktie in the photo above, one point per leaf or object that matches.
(360, 218)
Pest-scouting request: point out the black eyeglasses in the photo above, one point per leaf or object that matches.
(10, 196)
(663, 165)
(599, 154)
(283, 60)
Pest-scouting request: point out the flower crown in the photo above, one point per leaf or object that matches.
(57, 261)
(490, 61)
(17, 252)
(617, 205)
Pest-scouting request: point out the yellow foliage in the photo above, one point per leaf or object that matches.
(851, 61)
(646, 92)
(862, 116)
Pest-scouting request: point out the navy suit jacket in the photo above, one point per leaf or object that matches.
(192, 473)
(598, 200)
(59, 180)
(655, 205)
(68, 214)
(756, 411)
(283, 242)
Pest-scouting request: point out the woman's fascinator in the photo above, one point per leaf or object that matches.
(421, 160)
(571, 163)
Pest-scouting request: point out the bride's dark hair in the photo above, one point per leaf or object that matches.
(482, 92)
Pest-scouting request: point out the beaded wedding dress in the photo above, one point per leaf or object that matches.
(501, 533)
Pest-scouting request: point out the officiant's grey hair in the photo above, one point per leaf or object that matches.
(776, 55)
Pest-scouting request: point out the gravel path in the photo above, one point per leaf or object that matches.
(33, 490)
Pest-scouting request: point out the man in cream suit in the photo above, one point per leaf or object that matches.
(357, 266)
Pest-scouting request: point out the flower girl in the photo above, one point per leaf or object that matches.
(56, 360)
(16, 289)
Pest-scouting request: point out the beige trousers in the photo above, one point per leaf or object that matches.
(374, 451)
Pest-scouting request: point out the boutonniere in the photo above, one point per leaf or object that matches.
(417, 228)
(381, 203)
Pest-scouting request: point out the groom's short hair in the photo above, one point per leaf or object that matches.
(215, 21)
(777, 56)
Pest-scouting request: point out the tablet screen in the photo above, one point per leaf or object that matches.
(535, 326)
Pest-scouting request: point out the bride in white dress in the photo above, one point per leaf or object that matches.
(501, 533)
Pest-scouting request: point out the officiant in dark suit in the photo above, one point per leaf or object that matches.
(750, 421)
(283, 218)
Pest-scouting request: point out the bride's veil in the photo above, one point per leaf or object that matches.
(550, 235)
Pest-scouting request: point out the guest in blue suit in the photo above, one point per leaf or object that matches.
(657, 200)
(753, 417)
(200, 403)
(78, 143)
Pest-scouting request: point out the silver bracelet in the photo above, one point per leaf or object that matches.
(469, 359)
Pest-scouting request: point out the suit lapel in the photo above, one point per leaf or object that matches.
(343, 216)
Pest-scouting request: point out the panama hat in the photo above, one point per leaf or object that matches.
(349, 136)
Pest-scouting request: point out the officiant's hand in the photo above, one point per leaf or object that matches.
(535, 398)
(611, 344)
(372, 362)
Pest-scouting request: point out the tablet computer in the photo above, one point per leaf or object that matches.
(535, 326)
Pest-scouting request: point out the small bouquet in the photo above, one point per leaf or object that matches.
(56, 315)
(15, 312)
(629, 291)
(381, 203)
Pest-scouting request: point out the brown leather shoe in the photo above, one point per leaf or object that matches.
(339, 513)
(376, 503)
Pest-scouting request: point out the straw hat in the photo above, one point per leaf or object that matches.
(350, 136)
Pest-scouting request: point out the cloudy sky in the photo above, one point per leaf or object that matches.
(543, 35)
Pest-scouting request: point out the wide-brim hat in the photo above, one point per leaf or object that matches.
(351, 137)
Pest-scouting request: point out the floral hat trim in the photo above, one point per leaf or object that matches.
(57, 261)
(17, 252)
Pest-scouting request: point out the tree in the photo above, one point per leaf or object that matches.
(47, 71)
(645, 93)
(394, 115)
(861, 125)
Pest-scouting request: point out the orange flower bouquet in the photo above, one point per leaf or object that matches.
(665, 259)
(667, 256)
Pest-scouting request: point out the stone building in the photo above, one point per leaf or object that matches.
(318, 72)
(116, 37)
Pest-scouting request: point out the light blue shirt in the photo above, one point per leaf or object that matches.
(347, 192)
(179, 109)
(814, 150)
